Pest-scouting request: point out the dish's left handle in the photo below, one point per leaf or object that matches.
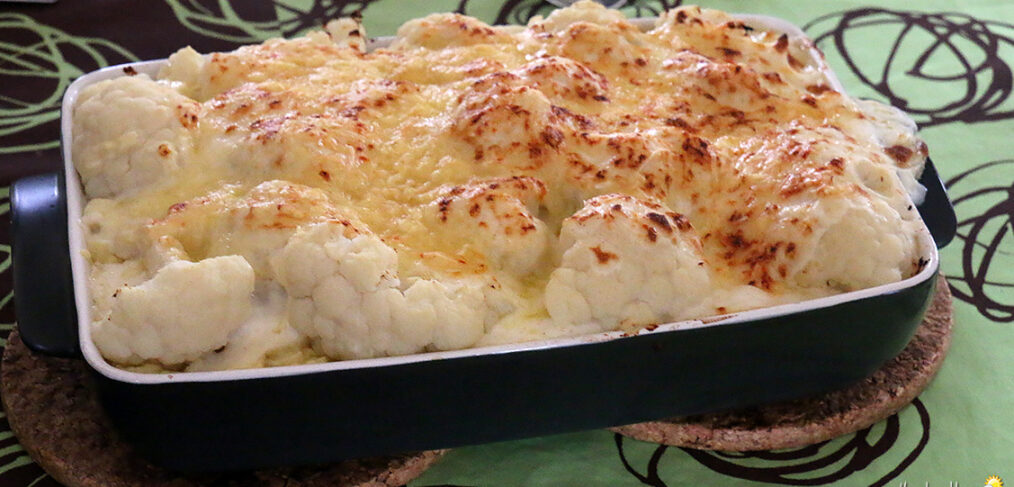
(43, 286)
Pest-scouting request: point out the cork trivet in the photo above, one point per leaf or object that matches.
(54, 412)
(811, 420)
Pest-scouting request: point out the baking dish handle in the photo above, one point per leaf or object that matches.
(936, 209)
(43, 286)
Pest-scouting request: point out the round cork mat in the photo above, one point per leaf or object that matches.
(54, 412)
(801, 422)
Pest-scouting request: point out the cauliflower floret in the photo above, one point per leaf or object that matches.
(799, 158)
(565, 79)
(260, 224)
(347, 32)
(897, 136)
(186, 310)
(814, 209)
(859, 242)
(184, 72)
(107, 279)
(497, 216)
(346, 296)
(266, 339)
(112, 235)
(439, 31)
(589, 33)
(626, 163)
(604, 276)
(254, 226)
(725, 84)
(259, 132)
(131, 133)
(580, 12)
(507, 121)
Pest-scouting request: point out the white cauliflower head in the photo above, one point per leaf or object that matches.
(186, 310)
(627, 163)
(897, 135)
(184, 71)
(507, 121)
(581, 32)
(265, 340)
(498, 217)
(580, 12)
(260, 224)
(560, 78)
(130, 133)
(347, 31)
(814, 209)
(111, 234)
(346, 296)
(254, 225)
(718, 85)
(448, 30)
(858, 243)
(626, 262)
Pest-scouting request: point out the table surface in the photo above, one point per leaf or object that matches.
(948, 63)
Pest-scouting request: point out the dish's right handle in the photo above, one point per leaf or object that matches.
(936, 209)
(43, 286)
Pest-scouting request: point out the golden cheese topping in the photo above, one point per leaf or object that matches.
(471, 184)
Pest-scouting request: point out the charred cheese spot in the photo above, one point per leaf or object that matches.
(603, 256)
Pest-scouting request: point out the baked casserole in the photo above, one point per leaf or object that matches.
(310, 200)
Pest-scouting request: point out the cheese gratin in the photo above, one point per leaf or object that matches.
(309, 200)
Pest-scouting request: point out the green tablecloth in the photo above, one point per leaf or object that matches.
(949, 63)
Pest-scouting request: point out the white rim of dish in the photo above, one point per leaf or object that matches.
(80, 267)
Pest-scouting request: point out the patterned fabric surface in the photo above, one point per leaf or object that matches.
(950, 64)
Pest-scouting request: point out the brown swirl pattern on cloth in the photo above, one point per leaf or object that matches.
(37, 63)
(252, 22)
(968, 58)
(987, 239)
